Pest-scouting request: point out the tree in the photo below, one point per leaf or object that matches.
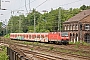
(83, 7)
(47, 22)
(13, 24)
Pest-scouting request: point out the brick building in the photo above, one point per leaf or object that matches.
(79, 27)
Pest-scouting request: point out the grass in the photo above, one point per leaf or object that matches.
(7, 36)
(80, 43)
(3, 53)
(51, 48)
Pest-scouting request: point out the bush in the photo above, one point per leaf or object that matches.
(51, 48)
(3, 53)
(7, 36)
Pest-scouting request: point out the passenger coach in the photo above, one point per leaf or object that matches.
(54, 37)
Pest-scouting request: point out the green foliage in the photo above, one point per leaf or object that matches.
(79, 43)
(3, 55)
(84, 43)
(51, 48)
(31, 49)
(83, 7)
(3, 47)
(7, 36)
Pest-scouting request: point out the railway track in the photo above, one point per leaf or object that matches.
(43, 56)
(70, 50)
(26, 49)
(44, 48)
(35, 55)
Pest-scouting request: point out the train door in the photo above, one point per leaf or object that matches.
(37, 37)
(42, 38)
(46, 38)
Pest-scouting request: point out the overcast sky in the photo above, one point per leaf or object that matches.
(14, 5)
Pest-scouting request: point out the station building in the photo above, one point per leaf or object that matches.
(79, 27)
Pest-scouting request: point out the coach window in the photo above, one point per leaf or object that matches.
(47, 35)
(13, 35)
(30, 36)
(38, 36)
(42, 36)
(33, 37)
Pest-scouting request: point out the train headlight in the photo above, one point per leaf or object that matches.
(67, 37)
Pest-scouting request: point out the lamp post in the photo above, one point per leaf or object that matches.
(6, 26)
(19, 11)
(34, 22)
(35, 19)
(59, 21)
(20, 22)
(12, 12)
(45, 17)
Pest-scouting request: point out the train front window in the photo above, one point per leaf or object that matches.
(64, 34)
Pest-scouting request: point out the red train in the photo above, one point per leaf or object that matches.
(55, 37)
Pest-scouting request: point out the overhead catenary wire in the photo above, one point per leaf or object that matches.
(70, 3)
(49, 8)
(67, 3)
(52, 7)
(26, 4)
(17, 8)
(41, 4)
(44, 2)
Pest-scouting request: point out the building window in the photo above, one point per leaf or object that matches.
(73, 27)
(76, 27)
(68, 27)
(65, 28)
(87, 27)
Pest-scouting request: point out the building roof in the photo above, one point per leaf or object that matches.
(79, 16)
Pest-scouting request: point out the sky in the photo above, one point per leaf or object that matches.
(39, 5)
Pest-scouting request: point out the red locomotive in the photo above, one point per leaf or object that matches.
(55, 37)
